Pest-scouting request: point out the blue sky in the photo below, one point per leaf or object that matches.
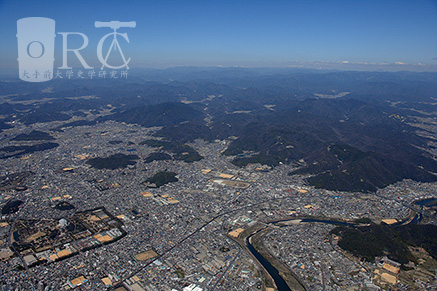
(243, 33)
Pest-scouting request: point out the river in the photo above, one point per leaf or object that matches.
(279, 281)
(427, 202)
(274, 273)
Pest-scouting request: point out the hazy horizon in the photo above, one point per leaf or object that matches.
(346, 35)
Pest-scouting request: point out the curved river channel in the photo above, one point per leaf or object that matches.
(279, 281)
(274, 273)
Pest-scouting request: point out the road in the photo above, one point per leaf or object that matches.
(192, 234)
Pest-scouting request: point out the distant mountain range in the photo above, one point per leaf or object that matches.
(347, 131)
(168, 113)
